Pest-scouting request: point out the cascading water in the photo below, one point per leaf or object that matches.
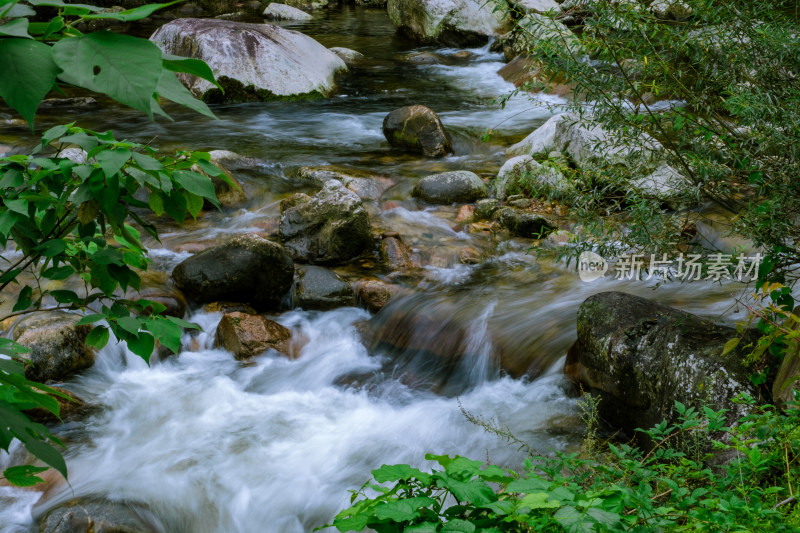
(204, 443)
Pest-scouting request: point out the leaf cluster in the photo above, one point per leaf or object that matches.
(621, 488)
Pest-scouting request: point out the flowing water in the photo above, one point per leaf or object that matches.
(203, 443)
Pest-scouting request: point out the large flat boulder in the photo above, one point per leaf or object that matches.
(247, 269)
(252, 61)
(452, 22)
(641, 357)
(458, 186)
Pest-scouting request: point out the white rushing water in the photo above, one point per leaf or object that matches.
(213, 445)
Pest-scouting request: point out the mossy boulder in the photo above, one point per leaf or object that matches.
(329, 228)
(251, 61)
(523, 223)
(417, 128)
(641, 357)
(57, 345)
(247, 268)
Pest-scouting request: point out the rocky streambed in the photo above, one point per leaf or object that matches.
(371, 277)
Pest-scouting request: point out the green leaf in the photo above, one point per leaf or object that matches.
(156, 202)
(147, 162)
(112, 161)
(189, 65)
(197, 184)
(58, 273)
(24, 476)
(167, 333)
(12, 178)
(90, 319)
(538, 500)
(188, 325)
(170, 88)
(129, 324)
(730, 346)
(125, 68)
(65, 297)
(129, 15)
(402, 510)
(98, 337)
(399, 472)
(352, 523)
(24, 299)
(210, 169)
(52, 247)
(458, 526)
(16, 10)
(16, 28)
(142, 345)
(528, 485)
(28, 74)
(18, 206)
(427, 527)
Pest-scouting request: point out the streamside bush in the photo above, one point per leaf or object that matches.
(700, 475)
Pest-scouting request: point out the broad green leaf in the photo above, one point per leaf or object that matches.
(16, 10)
(28, 74)
(528, 485)
(427, 527)
(24, 299)
(52, 247)
(190, 65)
(573, 520)
(142, 345)
(65, 297)
(538, 500)
(16, 28)
(194, 204)
(399, 472)
(7, 221)
(18, 206)
(463, 468)
(170, 88)
(352, 523)
(125, 68)
(156, 202)
(129, 324)
(129, 15)
(458, 526)
(147, 162)
(477, 492)
(112, 160)
(98, 337)
(90, 319)
(12, 178)
(210, 169)
(58, 273)
(167, 333)
(24, 476)
(402, 510)
(197, 184)
(186, 324)
(60, 3)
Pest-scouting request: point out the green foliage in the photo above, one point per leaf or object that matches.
(719, 93)
(617, 488)
(81, 221)
(36, 56)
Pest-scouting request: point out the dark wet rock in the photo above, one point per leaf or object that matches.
(276, 11)
(330, 228)
(321, 288)
(68, 408)
(247, 335)
(57, 345)
(247, 268)
(350, 57)
(68, 103)
(459, 186)
(375, 294)
(245, 58)
(641, 357)
(523, 223)
(451, 22)
(418, 129)
(395, 254)
(94, 516)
